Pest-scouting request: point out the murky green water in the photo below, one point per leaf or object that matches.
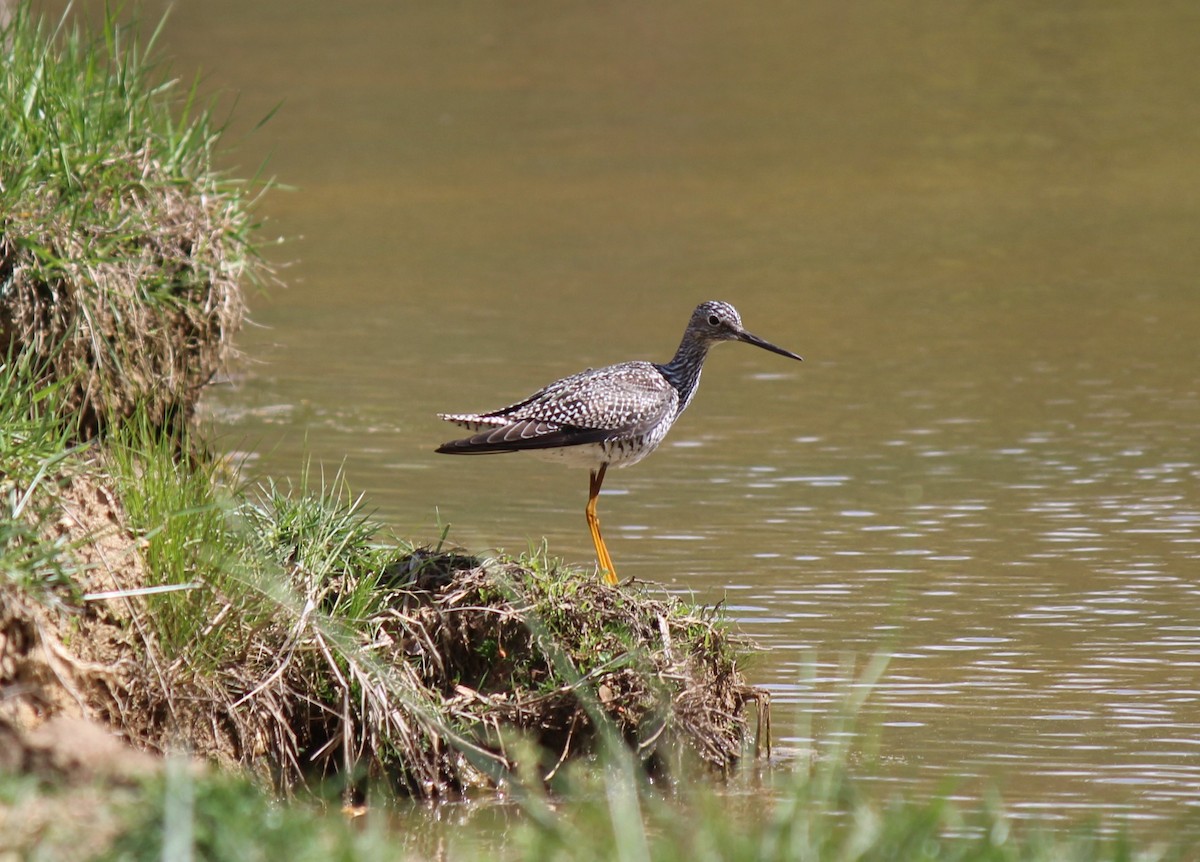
(978, 223)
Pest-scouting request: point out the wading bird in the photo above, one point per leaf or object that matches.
(606, 417)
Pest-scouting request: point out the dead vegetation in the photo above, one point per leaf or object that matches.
(121, 247)
(425, 671)
(143, 315)
(499, 646)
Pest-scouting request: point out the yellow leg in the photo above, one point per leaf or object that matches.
(607, 569)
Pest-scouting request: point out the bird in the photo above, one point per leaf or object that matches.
(606, 417)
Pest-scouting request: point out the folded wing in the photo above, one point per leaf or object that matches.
(617, 402)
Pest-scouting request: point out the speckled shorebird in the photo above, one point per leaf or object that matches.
(606, 417)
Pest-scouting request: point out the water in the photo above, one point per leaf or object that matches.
(977, 222)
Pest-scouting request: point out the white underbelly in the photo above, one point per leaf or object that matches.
(620, 453)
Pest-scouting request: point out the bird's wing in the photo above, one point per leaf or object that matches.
(612, 398)
(590, 407)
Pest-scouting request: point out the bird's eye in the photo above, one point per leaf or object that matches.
(713, 320)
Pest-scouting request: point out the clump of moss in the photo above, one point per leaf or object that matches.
(121, 248)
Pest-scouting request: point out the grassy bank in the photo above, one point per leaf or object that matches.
(123, 252)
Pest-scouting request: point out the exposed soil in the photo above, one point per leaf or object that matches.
(69, 660)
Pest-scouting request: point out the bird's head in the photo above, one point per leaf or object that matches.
(719, 321)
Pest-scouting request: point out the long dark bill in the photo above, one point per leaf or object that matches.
(766, 345)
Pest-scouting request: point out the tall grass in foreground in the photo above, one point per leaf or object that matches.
(818, 813)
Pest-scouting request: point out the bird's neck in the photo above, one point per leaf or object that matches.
(683, 372)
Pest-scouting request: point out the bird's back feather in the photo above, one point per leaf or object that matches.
(597, 406)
